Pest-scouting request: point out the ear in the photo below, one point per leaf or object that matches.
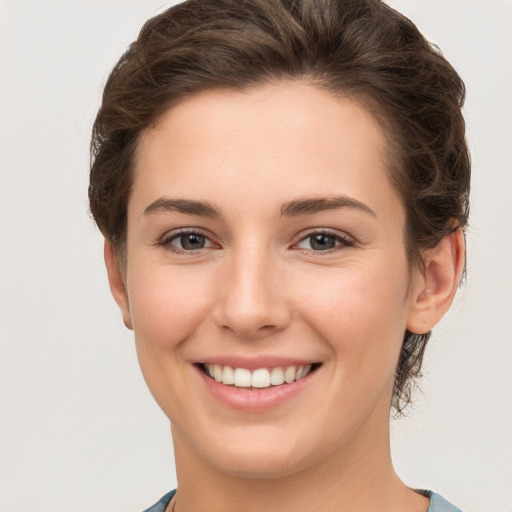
(434, 289)
(116, 282)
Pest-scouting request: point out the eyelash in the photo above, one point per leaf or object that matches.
(340, 241)
(166, 242)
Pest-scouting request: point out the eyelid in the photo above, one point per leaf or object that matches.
(344, 240)
(169, 236)
(342, 237)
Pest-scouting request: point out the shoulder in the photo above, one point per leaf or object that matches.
(438, 503)
(161, 505)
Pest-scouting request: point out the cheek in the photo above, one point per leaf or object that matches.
(361, 313)
(166, 305)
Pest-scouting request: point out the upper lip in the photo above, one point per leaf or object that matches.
(253, 363)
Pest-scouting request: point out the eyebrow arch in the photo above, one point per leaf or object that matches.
(313, 205)
(187, 206)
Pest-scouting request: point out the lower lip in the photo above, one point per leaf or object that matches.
(254, 400)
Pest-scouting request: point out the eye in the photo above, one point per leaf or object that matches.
(186, 241)
(322, 241)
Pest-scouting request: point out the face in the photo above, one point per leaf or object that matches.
(266, 278)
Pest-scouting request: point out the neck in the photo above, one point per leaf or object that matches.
(357, 477)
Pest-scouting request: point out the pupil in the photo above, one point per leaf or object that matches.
(322, 242)
(192, 241)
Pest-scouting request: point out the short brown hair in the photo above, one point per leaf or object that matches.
(358, 48)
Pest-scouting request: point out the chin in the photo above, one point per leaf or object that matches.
(259, 456)
(261, 466)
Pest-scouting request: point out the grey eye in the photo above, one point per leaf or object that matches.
(190, 241)
(322, 242)
(186, 241)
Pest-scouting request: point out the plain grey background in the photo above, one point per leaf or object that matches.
(78, 429)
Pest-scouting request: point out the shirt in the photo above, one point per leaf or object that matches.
(437, 503)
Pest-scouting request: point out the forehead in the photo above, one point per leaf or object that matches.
(286, 139)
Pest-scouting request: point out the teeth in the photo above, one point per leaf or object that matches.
(289, 374)
(217, 372)
(260, 378)
(302, 371)
(277, 376)
(228, 375)
(243, 378)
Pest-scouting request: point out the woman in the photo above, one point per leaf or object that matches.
(283, 189)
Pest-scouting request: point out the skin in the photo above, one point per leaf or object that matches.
(259, 288)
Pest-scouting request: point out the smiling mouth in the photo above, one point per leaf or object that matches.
(257, 379)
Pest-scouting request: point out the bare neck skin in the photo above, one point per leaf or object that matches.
(356, 477)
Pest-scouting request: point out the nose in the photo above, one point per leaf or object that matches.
(251, 299)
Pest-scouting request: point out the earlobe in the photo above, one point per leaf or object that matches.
(116, 282)
(434, 292)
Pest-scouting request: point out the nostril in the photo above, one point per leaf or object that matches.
(243, 331)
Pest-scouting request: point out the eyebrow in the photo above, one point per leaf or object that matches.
(187, 206)
(309, 206)
(306, 206)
